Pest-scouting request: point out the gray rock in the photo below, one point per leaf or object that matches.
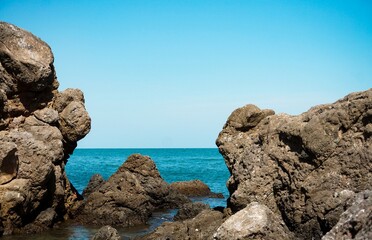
(34, 147)
(356, 221)
(298, 165)
(256, 221)
(106, 233)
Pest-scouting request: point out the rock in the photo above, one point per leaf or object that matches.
(190, 210)
(194, 188)
(201, 227)
(356, 221)
(34, 148)
(301, 167)
(107, 233)
(255, 221)
(95, 182)
(130, 195)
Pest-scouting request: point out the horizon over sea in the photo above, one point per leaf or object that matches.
(174, 164)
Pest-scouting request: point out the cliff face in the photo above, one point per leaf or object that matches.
(39, 128)
(305, 168)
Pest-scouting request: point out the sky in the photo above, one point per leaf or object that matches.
(167, 73)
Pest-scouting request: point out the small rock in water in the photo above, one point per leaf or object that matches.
(106, 233)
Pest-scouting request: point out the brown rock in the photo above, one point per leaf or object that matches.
(298, 165)
(201, 227)
(190, 210)
(107, 233)
(194, 188)
(130, 195)
(34, 147)
(95, 182)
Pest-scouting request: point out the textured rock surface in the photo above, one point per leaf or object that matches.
(303, 167)
(36, 137)
(256, 221)
(130, 195)
(95, 182)
(190, 210)
(356, 221)
(106, 233)
(194, 188)
(203, 226)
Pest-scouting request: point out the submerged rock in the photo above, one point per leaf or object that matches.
(303, 168)
(130, 195)
(106, 233)
(34, 144)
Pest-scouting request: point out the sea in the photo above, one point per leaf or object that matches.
(174, 164)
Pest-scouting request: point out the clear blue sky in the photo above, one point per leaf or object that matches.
(168, 73)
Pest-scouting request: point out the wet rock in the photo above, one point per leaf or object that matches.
(356, 221)
(34, 147)
(256, 221)
(106, 233)
(190, 210)
(201, 227)
(194, 188)
(130, 195)
(298, 166)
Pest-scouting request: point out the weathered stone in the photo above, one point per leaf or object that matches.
(34, 189)
(256, 221)
(194, 188)
(8, 162)
(190, 210)
(201, 227)
(95, 182)
(107, 233)
(356, 221)
(298, 165)
(130, 195)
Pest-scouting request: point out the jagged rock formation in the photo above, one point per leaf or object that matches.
(303, 168)
(39, 128)
(95, 182)
(356, 221)
(107, 233)
(190, 210)
(130, 195)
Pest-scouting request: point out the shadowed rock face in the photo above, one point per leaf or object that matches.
(303, 168)
(39, 127)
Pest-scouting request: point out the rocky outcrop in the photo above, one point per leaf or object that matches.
(194, 188)
(356, 221)
(255, 221)
(39, 127)
(107, 233)
(190, 210)
(203, 226)
(130, 195)
(95, 182)
(303, 168)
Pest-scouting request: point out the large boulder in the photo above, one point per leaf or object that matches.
(303, 168)
(255, 221)
(34, 142)
(130, 195)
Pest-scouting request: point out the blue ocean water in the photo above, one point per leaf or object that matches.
(205, 164)
(173, 164)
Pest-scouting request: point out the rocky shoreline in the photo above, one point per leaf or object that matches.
(292, 177)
